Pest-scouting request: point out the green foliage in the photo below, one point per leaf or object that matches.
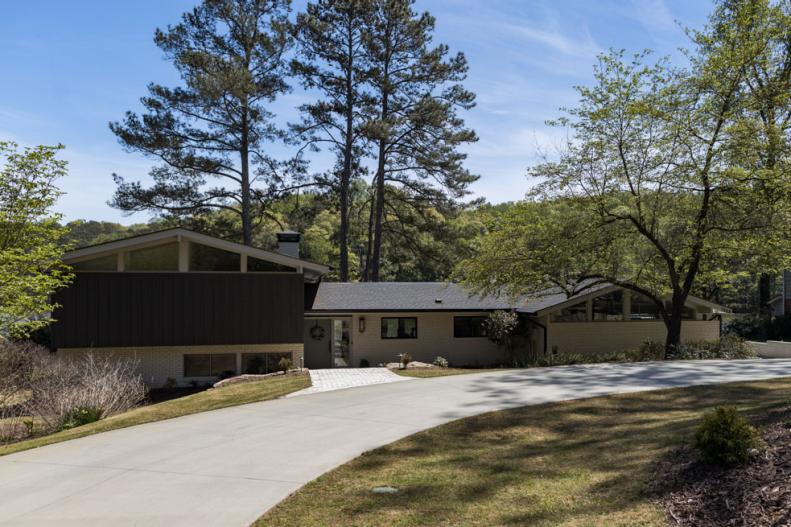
(725, 437)
(82, 415)
(500, 326)
(365, 363)
(652, 192)
(285, 364)
(30, 268)
(442, 362)
(728, 347)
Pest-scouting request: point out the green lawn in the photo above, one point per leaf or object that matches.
(441, 372)
(577, 463)
(199, 402)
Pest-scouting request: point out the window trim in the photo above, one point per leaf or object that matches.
(398, 337)
(470, 317)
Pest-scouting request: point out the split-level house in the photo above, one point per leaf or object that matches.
(191, 308)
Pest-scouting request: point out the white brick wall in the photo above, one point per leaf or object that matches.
(156, 364)
(434, 337)
(598, 337)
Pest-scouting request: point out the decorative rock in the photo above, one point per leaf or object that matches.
(384, 490)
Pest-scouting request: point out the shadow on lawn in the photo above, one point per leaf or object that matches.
(541, 464)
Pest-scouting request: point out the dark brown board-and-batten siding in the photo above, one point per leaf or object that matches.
(178, 309)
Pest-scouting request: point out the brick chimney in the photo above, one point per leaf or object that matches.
(288, 243)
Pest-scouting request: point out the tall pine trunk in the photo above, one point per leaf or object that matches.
(247, 225)
(346, 174)
(378, 211)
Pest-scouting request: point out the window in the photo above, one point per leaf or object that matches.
(159, 258)
(465, 327)
(575, 313)
(103, 263)
(209, 365)
(205, 258)
(688, 313)
(256, 265)
(399, 328)
(643, 308)
(609, 306)
(258, 363)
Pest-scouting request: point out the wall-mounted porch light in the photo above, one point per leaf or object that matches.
(361, 325)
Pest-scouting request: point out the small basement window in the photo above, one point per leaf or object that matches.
(399, 328)
(209, 364)
(103, 263)
(259, 363)
(466, 327)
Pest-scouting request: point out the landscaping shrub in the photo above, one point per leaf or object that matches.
(81, 416)
(442, 362)
(285, 364)
(64, 386)
(364, 363)
(728, 347)
(170, 384)
(725, 437)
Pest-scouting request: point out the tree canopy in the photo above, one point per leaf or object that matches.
(30, 237)
(652, 192)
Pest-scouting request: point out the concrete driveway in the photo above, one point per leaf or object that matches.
(228, 466)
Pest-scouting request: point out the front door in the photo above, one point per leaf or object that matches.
(318, 343)
(327, 342)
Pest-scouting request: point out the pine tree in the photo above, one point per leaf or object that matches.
(230, 55)
(330, 35)
(418, 92)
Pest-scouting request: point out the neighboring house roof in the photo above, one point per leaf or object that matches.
(401, 296)
(423, 296)
(167, 235)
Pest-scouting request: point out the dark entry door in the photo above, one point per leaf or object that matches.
(318, 343)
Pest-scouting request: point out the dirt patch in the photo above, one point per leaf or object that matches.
(757, 493)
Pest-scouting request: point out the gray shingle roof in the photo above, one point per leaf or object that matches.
(422, 296)
(401, 296)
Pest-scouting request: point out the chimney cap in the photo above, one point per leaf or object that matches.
(288, 236)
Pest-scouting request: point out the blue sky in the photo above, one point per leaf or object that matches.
(71, 67)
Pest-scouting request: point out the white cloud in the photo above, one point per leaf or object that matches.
(654, 15)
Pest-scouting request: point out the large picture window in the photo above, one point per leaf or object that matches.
(205, 258)
(399, 328)
(643, 308)
(159, 258)
(575, 313)
(209, 364)
(608, 306)
(466, 327)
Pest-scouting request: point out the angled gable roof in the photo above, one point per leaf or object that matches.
(176, 234)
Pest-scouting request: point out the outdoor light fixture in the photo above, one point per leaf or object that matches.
(361, 325)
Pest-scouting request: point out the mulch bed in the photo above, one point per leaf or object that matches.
(757, 493)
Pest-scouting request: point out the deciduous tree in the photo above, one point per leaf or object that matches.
(30, 234)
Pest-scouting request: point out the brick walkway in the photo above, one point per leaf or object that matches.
(341, 378)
